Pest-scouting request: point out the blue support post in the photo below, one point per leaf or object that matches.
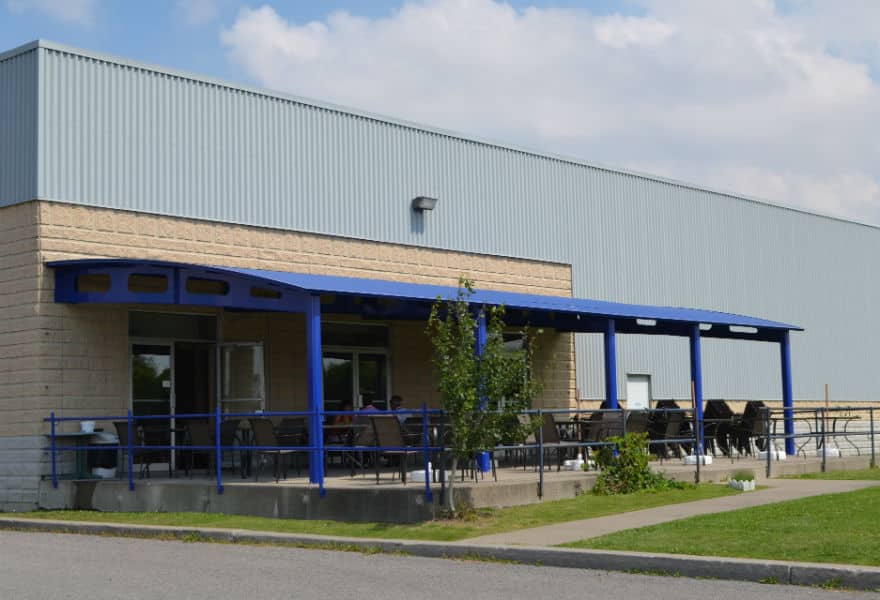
(610, 364)
(52, 442)
(483, 459)
(787, 399)
(218, 449)
(315, 371)
(697, 383)
(130, 427)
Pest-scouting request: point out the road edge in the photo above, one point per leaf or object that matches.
(754, 570)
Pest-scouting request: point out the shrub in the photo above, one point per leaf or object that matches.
(627, 471)
(743, 475)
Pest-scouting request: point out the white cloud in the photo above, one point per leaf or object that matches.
(619, 32)
(197, 12)
(70, 11)
(735, 95)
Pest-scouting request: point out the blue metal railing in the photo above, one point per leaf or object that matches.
(431, 432)
(133, 425)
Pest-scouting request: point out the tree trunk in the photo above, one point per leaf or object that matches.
(451, 480)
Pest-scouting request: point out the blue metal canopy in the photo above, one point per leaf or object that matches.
(263, 290)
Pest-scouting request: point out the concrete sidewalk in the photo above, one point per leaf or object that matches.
(778, 490)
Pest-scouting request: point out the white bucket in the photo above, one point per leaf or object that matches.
(830, 452)
(774, 455)
(419, 475)
(87, 426)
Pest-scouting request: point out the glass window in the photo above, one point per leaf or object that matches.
(242, 372)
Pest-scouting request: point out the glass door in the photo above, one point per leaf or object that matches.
(356, 377)
(152, 390)
(338, 380)
(373, 379)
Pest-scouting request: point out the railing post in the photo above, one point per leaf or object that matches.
(697, 450)
(767, 441)
(52, 443)
(541, 455)
(428, 495)
(871, 418)
(218, 448)
(130, 426)
(824, 440)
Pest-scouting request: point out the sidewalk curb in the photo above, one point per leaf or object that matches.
(767, 571)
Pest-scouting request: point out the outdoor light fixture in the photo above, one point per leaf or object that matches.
(423, 203)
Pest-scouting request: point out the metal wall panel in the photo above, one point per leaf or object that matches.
(120, 135)
(18, 127)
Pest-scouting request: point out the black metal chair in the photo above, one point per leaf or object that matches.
(389, 434)
(751, 431)
(552, 441)
(228, 439)
(200, 438)
(268, 445)
(293, 432)
(637, 421)
(142, 455)
(718, 425)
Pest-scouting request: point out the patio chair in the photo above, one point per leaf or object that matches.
(363, 446)
(199, 433)
(412, 430)
(751, 431)
(389, 434)
(591, 433)
(293, 432)
(141, 455)
(665, 426)
(718, 421)
(267, 443)
(553, 441)
(637, 421)
(612, 425)
(228, 439)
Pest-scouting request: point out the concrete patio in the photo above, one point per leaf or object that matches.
(360, 498)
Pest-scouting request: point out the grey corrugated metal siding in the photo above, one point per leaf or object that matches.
(123, 136)
(18, 119)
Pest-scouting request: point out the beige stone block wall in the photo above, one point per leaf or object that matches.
(74, 232)
(76, 360)
(555, 368)
(24, 335)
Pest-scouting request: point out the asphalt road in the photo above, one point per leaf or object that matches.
(58, 566)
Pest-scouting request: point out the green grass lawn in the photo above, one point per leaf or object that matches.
(482, 522)
(860, 474)
(838, 528)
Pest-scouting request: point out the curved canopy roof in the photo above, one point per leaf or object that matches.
(382, 299)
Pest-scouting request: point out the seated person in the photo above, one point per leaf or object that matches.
(343, 419)
(368, 405)
(397, 404)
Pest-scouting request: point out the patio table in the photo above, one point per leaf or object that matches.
(80, 440)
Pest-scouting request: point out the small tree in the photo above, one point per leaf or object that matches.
(483, 395)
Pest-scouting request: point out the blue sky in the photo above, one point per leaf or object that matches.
(778, 100)
(157, 31)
